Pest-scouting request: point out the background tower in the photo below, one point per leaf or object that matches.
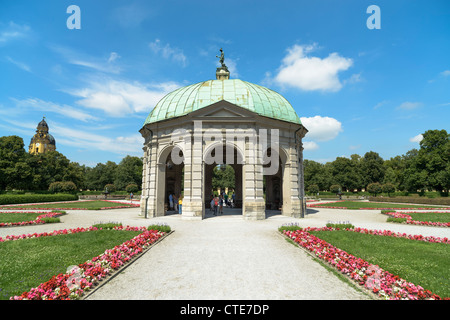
(42, 141)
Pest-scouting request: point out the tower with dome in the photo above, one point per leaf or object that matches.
(42, 141)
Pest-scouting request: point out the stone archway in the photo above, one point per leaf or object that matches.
(220, 154)
(277, 188)
(170, 177)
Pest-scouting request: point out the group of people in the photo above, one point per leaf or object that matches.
(175, 203)
(217, 203)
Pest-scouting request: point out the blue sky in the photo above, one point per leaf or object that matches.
(356, 89)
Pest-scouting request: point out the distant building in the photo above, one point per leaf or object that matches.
(42, 141)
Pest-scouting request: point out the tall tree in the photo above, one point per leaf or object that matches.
(15, 172)
(129, 171)
(434, 158)
(372, 168)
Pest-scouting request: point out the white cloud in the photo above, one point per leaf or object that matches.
(409, 105)
(310, 145)
(19, 64)
(299, 70)
(85, 140)
(417, 138)
(445, 73)
(321, 128)
(231, 65)
(48, 106)
(13, 31)
(121, 98)
(168, 52)
(113, 56)
(105, 64)
(380, 104)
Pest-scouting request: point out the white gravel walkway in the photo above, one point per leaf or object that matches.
(227, 257)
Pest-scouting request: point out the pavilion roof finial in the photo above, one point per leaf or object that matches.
(222, 73)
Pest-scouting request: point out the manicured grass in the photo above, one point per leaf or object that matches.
(26, 263)
(10, 217)
(430, 216)
(422, 263)
(89, 205)
(359, 205)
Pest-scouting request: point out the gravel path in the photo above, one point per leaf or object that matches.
(227, 257)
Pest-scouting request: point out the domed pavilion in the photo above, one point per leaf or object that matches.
(221, 122)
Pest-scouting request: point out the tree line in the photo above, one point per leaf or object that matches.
(426, 168)
(20, 170)
(419, 170)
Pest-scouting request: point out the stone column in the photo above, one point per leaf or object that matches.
(193, 208)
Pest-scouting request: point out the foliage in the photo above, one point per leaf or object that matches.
(341, 226)
(388, 188)
(132, 188)
(289, 227)
(110, 187)
(335, 188)
(35, 198)
(374, 188)
(107, 226)
(159, 227)
(62, 186)
(129, 171)
(313, 188)
(223, 178)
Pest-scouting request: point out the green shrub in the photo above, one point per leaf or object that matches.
(397, 220)
(108, 225)
(340, 225)
(69, 187)
(335, 188)
(388, 188)
(314, 189)
(289, 227)
(132, 188)
(159, 227)
(55, 187)
(51, 220)
(35, 198)
(374, 188)
(110, 187)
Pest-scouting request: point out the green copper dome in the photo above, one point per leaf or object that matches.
(258, 99)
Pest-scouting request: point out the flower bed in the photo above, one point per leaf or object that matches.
(27, 206)
(410, 220)
(380, 282)
(79, 279)
(39, 219)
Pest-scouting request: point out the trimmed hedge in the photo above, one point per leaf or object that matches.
(35, 198)
(444, 201)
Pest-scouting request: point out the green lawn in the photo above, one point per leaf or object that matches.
(90, 205)
(26, 263)
(358, 205)
(10, 217)
(430, 216)
(422, 263)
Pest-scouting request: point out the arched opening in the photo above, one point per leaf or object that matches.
(276, 193)
(170, 181)
(223, 177)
